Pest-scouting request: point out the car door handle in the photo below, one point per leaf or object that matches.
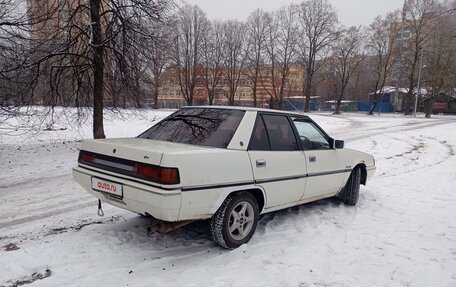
(312, 158)
(260, 162)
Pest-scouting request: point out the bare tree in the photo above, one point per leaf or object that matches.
(380, 42)
(256, 42)
(191, 27)
(79, 51)
(318, 21)
(15, 52)
(417, 16)
(234, 56)
(139, 83)
(347, 56)
(440, 59)
(212, 50)
(159, 58)
(282, 37)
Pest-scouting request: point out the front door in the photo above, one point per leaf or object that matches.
(325, 165)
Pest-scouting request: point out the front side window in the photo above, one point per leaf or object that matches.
(310, 136)
(197, 126)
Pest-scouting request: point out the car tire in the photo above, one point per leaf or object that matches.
(350, 193)
(235, 221)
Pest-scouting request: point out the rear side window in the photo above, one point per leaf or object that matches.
(273, 132)
(197, 126)
(260, 140)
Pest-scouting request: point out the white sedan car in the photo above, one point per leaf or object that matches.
(225, 164)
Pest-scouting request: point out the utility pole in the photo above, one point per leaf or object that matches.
(418, 92)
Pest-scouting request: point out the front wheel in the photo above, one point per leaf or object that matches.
(235, 221)
(350, 193)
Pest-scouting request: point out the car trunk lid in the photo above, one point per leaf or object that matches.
(135, 149)
(138, 158)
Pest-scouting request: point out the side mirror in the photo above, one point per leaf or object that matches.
(338, 144)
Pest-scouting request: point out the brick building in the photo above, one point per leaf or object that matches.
(170, 95)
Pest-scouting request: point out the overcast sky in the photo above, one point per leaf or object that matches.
(351, 12)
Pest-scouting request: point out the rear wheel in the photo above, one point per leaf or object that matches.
(235, 221)
(350, 193)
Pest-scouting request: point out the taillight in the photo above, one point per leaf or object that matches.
(163, 175)
(86, 157)
(169, 175)
(155, 173)
(149, 172)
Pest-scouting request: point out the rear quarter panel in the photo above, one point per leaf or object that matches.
(206, 176)
(210, 166)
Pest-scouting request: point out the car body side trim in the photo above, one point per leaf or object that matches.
(285, 178)
(214, 186)
(329, 172)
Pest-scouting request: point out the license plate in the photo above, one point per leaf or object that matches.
(106, 186)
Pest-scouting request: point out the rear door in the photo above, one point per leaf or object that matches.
(277, 162)
(325, 165)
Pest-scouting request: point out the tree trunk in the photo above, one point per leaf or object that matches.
(232, 98)
(307, 90)
(339, 101)
(191, 95)
(210, 97)
(280, 104)
(138, 93)
(374, 105)
(254, 91)
(407, 105)
(98, 75)
(409, 97)
(337, 110)
(155, 96)
(429, 107)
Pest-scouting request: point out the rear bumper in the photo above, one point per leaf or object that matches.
(140, 198)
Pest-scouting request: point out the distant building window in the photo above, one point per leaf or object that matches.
(403, 34)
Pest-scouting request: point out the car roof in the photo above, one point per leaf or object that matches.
(239, 108)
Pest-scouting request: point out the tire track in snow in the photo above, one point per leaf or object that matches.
(394, 129)
(39, 216)
(33, 181)
(420, 149)
(34, 200)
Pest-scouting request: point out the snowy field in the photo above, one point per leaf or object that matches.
(401, 233)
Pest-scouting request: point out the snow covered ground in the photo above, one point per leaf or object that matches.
(401, 233)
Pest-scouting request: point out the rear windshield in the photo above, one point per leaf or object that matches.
(197, 126)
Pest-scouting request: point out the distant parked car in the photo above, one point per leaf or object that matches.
(224, 164)
(439, 108)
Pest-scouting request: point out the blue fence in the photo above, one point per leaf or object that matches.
(384, 107)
